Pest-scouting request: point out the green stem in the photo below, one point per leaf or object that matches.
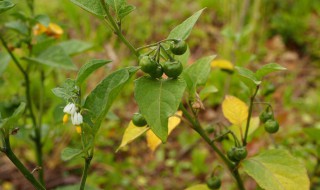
(249, 116)
(155, 44)
(87, 162)
(117, 29)
(37, 138)
(26, 173)
(197, 127)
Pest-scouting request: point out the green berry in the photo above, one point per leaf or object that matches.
(271, 126)
(138, 120)
(214, 183)
(172, 68)
(147, 64)
(265, 116)
(178, 47)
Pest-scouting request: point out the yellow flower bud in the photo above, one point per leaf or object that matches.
(78, 129)
(65, 118)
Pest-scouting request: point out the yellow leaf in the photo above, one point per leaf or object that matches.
(153, 141)
(254, 124)
(198, 187)
(235, 110)
(222, 64)
(132, 132)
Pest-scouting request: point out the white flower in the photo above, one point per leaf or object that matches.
(70, 109)
(77, 119)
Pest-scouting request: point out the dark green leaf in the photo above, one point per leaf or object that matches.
(4, 61)
(125, 10)
(70, 153)
(197, 73)
(183, 30)
(89, 68)
(6, 5)
(268, 68)
(158, 100)
(54, 56)
(92, 6)
(101, 98)
(43, 19)
(73, 47)
(18, 26)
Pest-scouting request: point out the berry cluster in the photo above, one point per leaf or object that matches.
(162, 61)
(270, 124)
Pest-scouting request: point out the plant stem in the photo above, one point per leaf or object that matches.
(197, 127)
(27, 174)
(87, 162)
(37, 138)
(117, 29)
(244, 142)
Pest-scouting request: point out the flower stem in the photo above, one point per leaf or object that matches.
(249, 116)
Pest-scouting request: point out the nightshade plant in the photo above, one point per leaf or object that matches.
(169, 90)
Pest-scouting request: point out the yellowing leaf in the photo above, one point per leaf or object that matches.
(132, 132)
(277, 170)
(235, 110)
(222, 64)
(254, 124)
(198, 187)
(153, 141)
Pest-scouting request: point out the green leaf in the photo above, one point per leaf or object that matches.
(43, 19)
(277, 170)
(70, 153)
(248, 78)
(4, 61)
(101, 98)
(125, 10)
(197, 74)
(42, 44)
(116, 5)
(67, 91)
(206, 91)
(54, 56)
(198, 187)
(183, 30)
(92, 6)
(89, 68)
(73, 47)
(246, 73)
(18, 26)
(268, 68)
(6, 5)
(158, 100)
(7, 123)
